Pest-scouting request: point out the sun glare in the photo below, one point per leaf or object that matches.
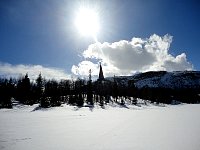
(87, 22)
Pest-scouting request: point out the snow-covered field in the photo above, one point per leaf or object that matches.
(112, 128)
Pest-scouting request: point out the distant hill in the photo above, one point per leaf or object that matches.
(162, 79)
(162, 86)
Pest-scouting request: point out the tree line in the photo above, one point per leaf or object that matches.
(50, 93)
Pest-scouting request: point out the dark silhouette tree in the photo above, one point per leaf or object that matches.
(52, 92)
(72, 96)
(24, 90)
(89, 90)
(6, 89)
(79, 92)
(64, 88)
(132, 92)
(39, 87)
(115, 90)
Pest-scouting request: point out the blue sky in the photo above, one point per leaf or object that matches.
(39, 34)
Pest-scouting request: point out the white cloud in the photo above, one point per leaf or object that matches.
(8, 70)
(138, 55)
(84, 67)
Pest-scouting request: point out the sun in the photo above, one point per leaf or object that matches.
(87, 22)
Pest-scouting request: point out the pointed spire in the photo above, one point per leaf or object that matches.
(101, 76)
(90, 76)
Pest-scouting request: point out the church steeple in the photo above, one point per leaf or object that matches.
(101, 76)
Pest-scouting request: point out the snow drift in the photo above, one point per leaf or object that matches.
(113, 128)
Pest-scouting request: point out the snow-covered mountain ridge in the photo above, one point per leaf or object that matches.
(161, 79)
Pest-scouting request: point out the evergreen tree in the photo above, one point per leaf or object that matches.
(38, 89)
(39, 86)
(52, 92)
(115, 89)
(24, 90)
(64, 88)
(6, 93)
(89, 90)
(72, 96)
(39, 92)
(132, 91)
(79, 92)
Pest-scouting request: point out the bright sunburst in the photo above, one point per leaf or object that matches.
(87, 22)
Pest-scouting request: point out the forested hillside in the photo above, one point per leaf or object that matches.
(158, 87)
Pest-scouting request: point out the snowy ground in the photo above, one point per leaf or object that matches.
(112, 128)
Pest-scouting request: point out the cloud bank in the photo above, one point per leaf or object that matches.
(126, 57)
(8, 70)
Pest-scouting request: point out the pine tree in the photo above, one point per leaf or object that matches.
(89, 90)
(78, 92)
(39, 93)
(6, 93)
(39, 87)
(64, 88)
(53, 93)
(115, 90)
(24, 90)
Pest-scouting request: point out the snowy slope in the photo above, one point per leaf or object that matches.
(174, 80)
(113, 128)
